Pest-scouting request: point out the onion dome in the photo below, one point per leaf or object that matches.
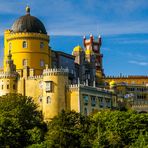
(28, 23)
(77, 49)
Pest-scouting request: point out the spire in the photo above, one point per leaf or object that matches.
(27, 10)
(10, 67)
(9, 55)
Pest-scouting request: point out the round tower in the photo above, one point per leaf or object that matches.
(8, 83)
(28, 41)
(54, 91)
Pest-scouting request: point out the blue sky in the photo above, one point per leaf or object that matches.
(123, 25)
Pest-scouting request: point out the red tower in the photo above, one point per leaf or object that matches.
(94, 46)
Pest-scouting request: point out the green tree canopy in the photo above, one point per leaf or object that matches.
(68, 130)
(119, 129)
(21, 123)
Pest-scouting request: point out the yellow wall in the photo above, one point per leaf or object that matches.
(59, 81)
(9, 81)
(129, 80)
(33, 89)
(73, 102)
(33, 53)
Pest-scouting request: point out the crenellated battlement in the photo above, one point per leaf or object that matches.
(7, 75)
(55, 71)
(75, 86)
(128, 76)
(35, 77)
(91, 40)
(27, 35)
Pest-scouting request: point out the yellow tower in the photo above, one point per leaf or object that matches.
(28, 42)
(55, 81)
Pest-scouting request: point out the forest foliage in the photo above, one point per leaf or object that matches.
(22, 125)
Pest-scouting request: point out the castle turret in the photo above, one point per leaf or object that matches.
(55, 81)
(92, 52)
(28, 41)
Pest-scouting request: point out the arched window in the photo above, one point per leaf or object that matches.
(41, 45)
(24, 44)
(24, 62)
(13, 86)
(40, 99)
(42, 63)
(7, 86)
(48, 100)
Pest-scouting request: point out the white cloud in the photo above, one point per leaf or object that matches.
(139, 63)
(77, 18)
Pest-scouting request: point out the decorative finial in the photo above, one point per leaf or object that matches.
(27, 10)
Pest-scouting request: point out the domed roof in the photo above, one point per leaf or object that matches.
(28, 23)
(77, 49)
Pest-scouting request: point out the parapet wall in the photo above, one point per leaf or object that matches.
(55, 71)
(74, 86)
(128, 76)
(7, 75)
(27, 35)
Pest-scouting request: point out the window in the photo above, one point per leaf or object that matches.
(40, 99)
(10, 46)
(13, 86)
(93, 101)
(101, 104)
(85, 98)
(24, 62)
(42, 63)
(2, 86)
(48, 100)
(24, 44)
(49, 86)
(41, 45)
(7, 86)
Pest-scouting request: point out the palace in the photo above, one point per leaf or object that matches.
(57, 80)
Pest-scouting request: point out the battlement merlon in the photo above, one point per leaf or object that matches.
(8, 75)
(91, 40)
(55, 71)
(26, 35)
(128, 76)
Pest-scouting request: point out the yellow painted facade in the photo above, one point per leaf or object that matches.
(27, 49)
(128, 79)
(28, 71)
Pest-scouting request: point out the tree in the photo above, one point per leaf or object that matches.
(21, 123)
(141, 142)
(69, 129)
(119, 129)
